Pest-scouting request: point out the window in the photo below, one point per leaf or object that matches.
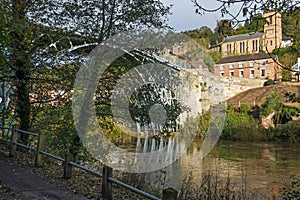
(242, 47)
(242, 74)
(228, 49)
(262, 62)
(231, 73)
(221, 67)
(271, 42)
(271, 31)
(271, 20)
(231, 66)
(262, 72)
(241, 65)
(251, 64)
(251, 73)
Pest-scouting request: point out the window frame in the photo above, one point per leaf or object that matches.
(241, 74)
(262, 70)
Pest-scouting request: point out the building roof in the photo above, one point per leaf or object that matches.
(256, 56)
(240, 37)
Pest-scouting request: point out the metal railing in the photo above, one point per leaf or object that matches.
(107, 180)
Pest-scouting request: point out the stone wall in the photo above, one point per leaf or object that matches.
(236, 85)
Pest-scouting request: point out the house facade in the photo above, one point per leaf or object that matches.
(246, 55)
(258, 66)
(250, 43)
(242, 44)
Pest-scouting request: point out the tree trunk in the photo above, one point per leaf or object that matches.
(21, 63)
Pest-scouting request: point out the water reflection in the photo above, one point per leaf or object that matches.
(261, 166)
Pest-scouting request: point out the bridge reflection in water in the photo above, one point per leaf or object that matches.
(263, 165)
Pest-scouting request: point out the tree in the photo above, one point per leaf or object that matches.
(202, 35)
(46, 33)
(224, 28)
(283, 113)
(238, 11)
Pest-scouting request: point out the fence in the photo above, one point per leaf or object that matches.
(106, 175)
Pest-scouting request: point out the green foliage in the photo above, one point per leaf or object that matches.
(215, 55)
(288, 57)
(289, 132)
(198, 125)
(244, 108)
(56, 122)
(291, 97)
(290, 23)
(203, 124)
(269, 82)
(292, 191)
(241, 126)
(283, 113)
(113, 132)
(203, 32)
(271, 104)
(36, 36)
(240, 123)
(255, 24)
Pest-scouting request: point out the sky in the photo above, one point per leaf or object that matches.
(185, 18)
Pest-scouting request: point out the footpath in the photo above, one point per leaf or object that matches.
(20, 182)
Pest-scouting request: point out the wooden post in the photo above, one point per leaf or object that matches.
(170, 194)
(38, 156)
(13, 145)
(67, 166)
(106, 185)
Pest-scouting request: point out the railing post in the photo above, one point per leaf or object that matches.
(107, 185)
(38, 156)
(170, 194)
(13, 141)
(67, 166)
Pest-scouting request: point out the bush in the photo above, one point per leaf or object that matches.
(292, 191)
(269, 82)
(289, 132)
(241, 127)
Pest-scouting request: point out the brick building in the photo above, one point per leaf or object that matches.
(259, 65)
(245, 55)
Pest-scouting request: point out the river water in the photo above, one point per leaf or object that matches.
(259, 167)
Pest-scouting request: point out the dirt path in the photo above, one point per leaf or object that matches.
(259, 95)
(19, 182)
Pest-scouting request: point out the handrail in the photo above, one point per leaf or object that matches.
(52, 156)
(133, 189)
(110, 179)
(6, 128)
(24, 146)
(26, 132)
(4, 140)
(86, 169)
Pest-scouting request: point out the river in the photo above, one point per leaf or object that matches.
(258, 167)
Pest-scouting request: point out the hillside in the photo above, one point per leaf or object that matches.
(258, 95)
